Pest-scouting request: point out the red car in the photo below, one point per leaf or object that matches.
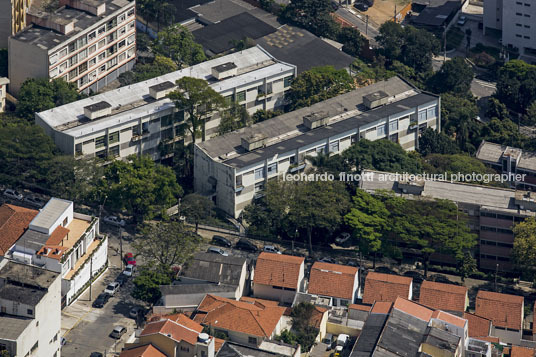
(129, 259)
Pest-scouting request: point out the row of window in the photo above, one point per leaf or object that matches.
(493, 257)
(496, 244)
(521, 25)
(520, 3)
(495, 229)
(501, 216)
(84, 40)
(520, 14)
(525, 37)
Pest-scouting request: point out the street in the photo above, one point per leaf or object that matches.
(359, 21)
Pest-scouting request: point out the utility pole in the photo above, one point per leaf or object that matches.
(121, 246)
(90, 275)
(366, 24)
(496, 271)
(444, 43)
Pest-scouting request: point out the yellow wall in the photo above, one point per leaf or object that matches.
(336, 329)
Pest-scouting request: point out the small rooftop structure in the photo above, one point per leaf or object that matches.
(97, 110)
(47, 219)
(493, 154)
(27, 275)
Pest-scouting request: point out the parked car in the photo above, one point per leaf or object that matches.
(417, 277)
(342, 238)
(95, 354)
(63, 341)
(13, 194)
(129, 259)
(328, 260)
(328, 340)
(114, 221)
(245, 244)
(384, 270)
(34, 201)
(217, 251)
(360, 6)
(135, 311)
(342, 340)
(271, 249)
(219, 240)
(122, 278)
(112, 288)
(461, 20)
(118, 331)
(101, 300)
(129, 270)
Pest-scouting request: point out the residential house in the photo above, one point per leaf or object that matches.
(278, 277)
(386, 288)
(3, 91)
(359, 312)
(492, 211)
(505, 311)
(140, 119)
(276, 349)
(234, 168)
(206, 273)
(245, 322)
(478, 326)
(319, 320)
(142, 351)
(66, 242)
(519, 351)
(14, 221)
(340, 283)
(447, 297)
(30, 310)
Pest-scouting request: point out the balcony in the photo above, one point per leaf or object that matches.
(296, 167)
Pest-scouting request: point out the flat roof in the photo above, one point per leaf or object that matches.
(46, 38)
(219, 10)
(202, 288)
(28, 274)
(11, 327)
(22, 294)
(50, 213)
(436, 15)
(253, 64)
(182, 11)
(492, 153)
(32, 240)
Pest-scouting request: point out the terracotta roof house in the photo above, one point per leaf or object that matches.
(478, 326)
(176, 337)
(338, 282)
(359, 312)
(386, 287)
(381, 307)
(278, 276)
(518, 351)
(506, 313)
(246, 322)
(446, 297)
(14, 221)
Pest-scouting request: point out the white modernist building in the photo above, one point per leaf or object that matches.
(233, 168)
(136, 119)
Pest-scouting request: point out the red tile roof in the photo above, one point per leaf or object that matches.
(359, 307)
(168, 327)
(518, 351)
(317, 315)
(142, 351)
(218, 342)
(381, 307)
(14, 221)
(57, 236)
(278, 270)
(333, 280)
(504, 310)
(477, 326)
(413, 309)
(491, 339)
(450, 318)
(446, 297)
(385, 287)
(256, 318)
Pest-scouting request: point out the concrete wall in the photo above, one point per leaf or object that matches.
(269, 293)
(5, 22)
(65, 215)
(182, 301)
(507, 336)
(336, 329)
(518, 24)
(36, 68)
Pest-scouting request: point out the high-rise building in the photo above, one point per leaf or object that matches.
(12, 18)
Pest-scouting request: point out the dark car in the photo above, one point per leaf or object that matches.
(121, 279)
(219, 240)
(417, 277)
(438, 278)
(328, 260)
(95, 354)
(384, 270)
(245, 244)
(360, 6)
(101, 300)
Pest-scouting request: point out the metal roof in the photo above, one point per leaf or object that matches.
(50, 214)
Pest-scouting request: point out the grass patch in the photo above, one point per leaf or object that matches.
(455, 37)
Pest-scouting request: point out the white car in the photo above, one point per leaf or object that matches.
(271, 249)
(112, 288)
(217, 251)
(14, 195)
(114, 221)
(129, 270)
(462, 20)
(342, 238)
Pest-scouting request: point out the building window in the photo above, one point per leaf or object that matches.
(53, 59)
(72, 47)
(185, 349)
(82, 55)
(287, 81)
(102, 68)
(130, 12)
(259, 173)
(82, 41)
(145, 127)
(381, 130)
(101, 56)
(272, 168)
(422, 116)
(394, 137)
(114, 151)
(131, 39)
(113, 138)
(63, 52)
(102, 43)
(101, 154)
(111, 24)
(122, 31)
(112, 63)
(73, 60)
(334, 146)
(269, 88)
(53, 74)
(252, 340)
(92, 62)
(320, 149)
(101, 30)
(393, 126)
(241, 96)
(122, 43)
(431, 113)
(92, 36)
(122, 57)
(82, 68)
(131, 25)
(73, 74)
(100, 142)
(92, 49)
(30, 312)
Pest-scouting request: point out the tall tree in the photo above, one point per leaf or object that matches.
(434, 142)
(147, 283)
(234, 118)
(166, 244)
(352, 40)
(455, 76)
(177, 43)
(143, 71)
(516, 85)
(196, 208)
(312, 15)
(199, 101)
(524, 252)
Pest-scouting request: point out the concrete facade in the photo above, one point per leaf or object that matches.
(141, 120)
(234, 175)
(30, 319)
(82, 42)
(3, 90)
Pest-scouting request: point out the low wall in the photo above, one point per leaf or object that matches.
(337, 329)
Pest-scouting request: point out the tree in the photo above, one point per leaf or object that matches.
(504, 132)
(198, 100)
(147, 283)
(177, 43)
(530, 116)
(302, 325)
(458, 117)
(140, 186)
(234, 118)
(434, 142)
(496, 109)
(196, 208)
(312, 15)
(516, 85)
(524, 251)
(466, 265)
(318, 84)
(39, 94)
(262, 115)
(453, 164)
(368, 218)
(455, 76)
(352, 40)
(391, 38)
(287, 337)
(166, 244)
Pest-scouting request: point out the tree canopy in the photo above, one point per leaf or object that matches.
(524, 251)
(455, 76)
(177, 43)
(143, 71)
(516, 85)
(434, 142)
(147, 283)
(312, 15)
(196, 208)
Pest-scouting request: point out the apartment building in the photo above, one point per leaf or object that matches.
(514, 162)
(85, 42)
(12, 18)
(514, 20)
(3, 90)
(491, 211)
(233, 168)
(138, 118)
(64, 242)
(30, 311)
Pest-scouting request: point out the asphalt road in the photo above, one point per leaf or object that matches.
(481, 89)
(359, 21)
